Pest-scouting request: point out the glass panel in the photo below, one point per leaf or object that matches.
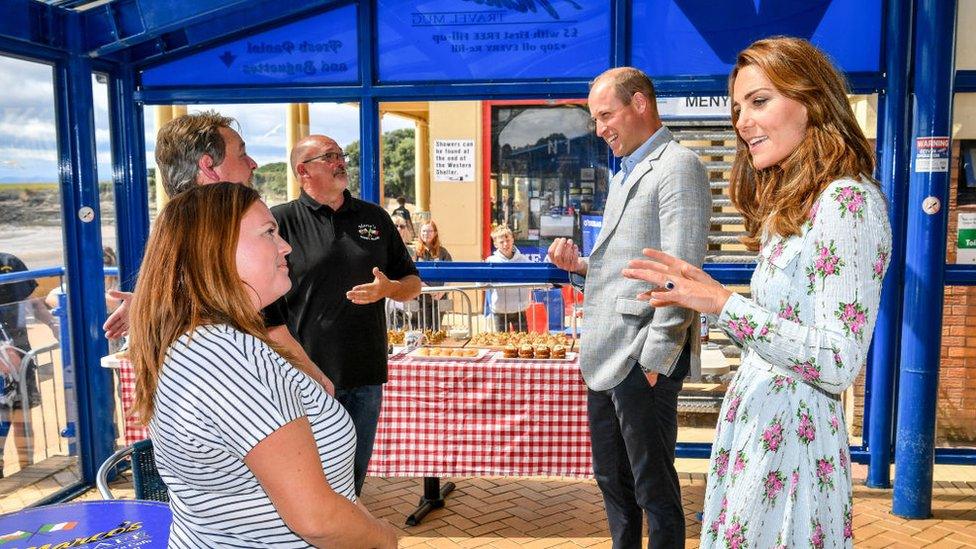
(547, 169)
(686, 38)
(448, 40)
(38, 413)
(319, 49)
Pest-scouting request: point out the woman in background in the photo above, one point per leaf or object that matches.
(780, 467)
(254, 452)
(429, 249)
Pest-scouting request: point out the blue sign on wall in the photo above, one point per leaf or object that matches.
(703, 37)
(591, 229)
(438, 40)
(320, 49)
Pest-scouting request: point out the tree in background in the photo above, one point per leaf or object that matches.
(271, 180)
(352, 167)
(398, 164)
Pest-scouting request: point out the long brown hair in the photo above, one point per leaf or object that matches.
(778, 199)
(433, 251)
(188, 279)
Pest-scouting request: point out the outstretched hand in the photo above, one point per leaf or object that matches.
(677, 282)
(364, 294)
(117, 323)
(566, 255)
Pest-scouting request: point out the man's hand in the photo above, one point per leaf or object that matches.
(117, 324)
(364, 294)
(566, 255)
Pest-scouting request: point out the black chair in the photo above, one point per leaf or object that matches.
(145, 478)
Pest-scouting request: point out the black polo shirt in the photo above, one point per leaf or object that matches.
(332, 251)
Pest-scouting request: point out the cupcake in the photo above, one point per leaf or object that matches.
(510, 351)
(558, 351)
(526, 351)
(542, 351)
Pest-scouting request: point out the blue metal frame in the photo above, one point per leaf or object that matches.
(893, 173)
(129, 168)
(925, 248)
(83, 254)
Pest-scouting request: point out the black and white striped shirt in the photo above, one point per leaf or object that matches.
(220, 393)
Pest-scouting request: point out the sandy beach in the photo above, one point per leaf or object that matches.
(42, 246)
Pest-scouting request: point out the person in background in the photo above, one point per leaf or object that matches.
(634, 358)
(780, 471)
(508, 305)
(402, 211)
(254, 452)
(429, 249)
(396, 314)
(405, 230)
(202, 149)
(15, 376)
(346, 259)
(109, 259)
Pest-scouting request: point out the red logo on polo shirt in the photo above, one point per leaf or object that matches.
(368, 231)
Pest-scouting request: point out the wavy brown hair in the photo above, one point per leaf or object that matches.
(188, 279)
(778, 199)
(433, 251)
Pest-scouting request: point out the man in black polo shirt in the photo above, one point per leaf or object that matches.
(346, 259)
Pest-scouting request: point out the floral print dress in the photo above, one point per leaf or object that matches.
(779, 474)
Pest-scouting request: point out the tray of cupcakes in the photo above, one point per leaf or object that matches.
(541, 352)
(500, 340)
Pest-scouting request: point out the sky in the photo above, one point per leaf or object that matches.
(28, 137)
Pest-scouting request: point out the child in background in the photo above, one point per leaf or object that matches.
(508, 305)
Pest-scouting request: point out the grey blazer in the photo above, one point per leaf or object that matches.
(665, 203)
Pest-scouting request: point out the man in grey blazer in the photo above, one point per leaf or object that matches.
(634, 357)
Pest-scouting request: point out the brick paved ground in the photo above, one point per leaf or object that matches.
(567, 513)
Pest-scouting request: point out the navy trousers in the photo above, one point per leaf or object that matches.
(633, 430)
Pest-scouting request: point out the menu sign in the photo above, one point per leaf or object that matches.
(421, 40)
(320, 49)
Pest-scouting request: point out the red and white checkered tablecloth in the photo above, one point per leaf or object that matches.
(493, 417)
(127, 392)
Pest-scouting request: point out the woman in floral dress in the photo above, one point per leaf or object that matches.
(780, 470)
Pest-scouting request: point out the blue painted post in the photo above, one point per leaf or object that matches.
(129, 167)
(369, 139)
(935, 31)
(70, 430)
(893, 163)
(369, 109)
(83, 258)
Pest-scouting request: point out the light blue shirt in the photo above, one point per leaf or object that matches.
(628, 162)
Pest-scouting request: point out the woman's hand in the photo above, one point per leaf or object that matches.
(677, 282)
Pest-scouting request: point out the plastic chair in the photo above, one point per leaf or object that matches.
(145, 478)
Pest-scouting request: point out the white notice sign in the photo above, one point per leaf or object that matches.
(454, 160)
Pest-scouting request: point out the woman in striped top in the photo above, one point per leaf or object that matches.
(254, 452)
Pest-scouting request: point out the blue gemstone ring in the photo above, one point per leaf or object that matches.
(668, 285)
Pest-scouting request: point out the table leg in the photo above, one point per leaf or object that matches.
(433, 498)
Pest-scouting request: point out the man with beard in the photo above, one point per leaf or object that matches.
(346, 259)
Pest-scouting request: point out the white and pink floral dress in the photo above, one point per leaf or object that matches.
(779, 474)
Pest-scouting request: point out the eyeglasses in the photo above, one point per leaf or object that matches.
(398, 226)
(331, 157)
